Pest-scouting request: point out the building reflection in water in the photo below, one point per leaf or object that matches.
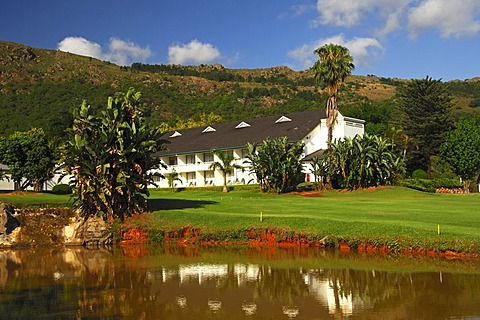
(320, 286)
(182, 302)
(249, 308)
(105, 284)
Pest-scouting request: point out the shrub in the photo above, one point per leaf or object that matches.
(448, 175)
(62, 189)
(306, 186)
(419, 174)
(419, 184)
(427, 185)
(447, 183)
(475, 103)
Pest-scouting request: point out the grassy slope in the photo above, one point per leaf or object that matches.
(39, 88)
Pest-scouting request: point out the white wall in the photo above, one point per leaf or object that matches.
(7, 184)
(203, 174)
(314, 140)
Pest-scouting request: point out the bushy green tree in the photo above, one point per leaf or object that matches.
(462, 150)
(30, 158)
(426, 104)
(112, 158)
(276, 164)
(363, 161)
(378, 115)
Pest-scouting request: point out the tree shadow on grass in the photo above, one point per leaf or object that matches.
(173, 204)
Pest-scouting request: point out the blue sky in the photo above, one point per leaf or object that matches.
(390, 38)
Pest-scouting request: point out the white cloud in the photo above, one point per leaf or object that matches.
(452, 17)
(297, 10)
(124, 52)
(194, 52)
(81, 46)
(392, 23)
(352, 13)
(363, 50)
(119, 51)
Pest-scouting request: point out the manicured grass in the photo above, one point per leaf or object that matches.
(395, 217)
(35, 199)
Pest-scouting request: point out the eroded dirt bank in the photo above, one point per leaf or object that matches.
(276, 238)
(62, 226)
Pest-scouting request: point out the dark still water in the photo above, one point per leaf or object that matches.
(168, 282)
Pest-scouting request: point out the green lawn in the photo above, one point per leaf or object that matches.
(397, 216)
(35, 200)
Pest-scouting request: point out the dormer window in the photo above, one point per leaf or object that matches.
(209, 129)
(242, 124)
(283, 119)
(176, 134)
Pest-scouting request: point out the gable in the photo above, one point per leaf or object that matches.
(283, 119)
(209, 129)
(242, 124)
(176, 134)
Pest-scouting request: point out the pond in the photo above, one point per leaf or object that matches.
(172, 282)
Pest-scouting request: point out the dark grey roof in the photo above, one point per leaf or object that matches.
(227, 136)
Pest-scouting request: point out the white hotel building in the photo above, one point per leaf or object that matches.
(189, 150)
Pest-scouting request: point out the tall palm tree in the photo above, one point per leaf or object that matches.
(334, 65)
(225, 164)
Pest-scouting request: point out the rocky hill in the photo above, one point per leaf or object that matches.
(40, 88)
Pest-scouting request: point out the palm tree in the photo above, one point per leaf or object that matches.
(334, 65)
(172, 177)
(225, 163)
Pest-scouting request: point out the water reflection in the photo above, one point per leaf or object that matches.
(237, 283)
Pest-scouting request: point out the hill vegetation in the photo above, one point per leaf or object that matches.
(40, 88)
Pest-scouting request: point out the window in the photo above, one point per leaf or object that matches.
(191, 179)
(244, 153)
(208, 157)
(209, 178)
(172, 161)
(190, 159)
(230, 177)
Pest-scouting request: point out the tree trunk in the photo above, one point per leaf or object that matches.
(331, 113)
(330, 135)
(225, 188)
(429, 168)
(466, 186)
(37, 187)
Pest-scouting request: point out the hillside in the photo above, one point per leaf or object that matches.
(41, 87)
